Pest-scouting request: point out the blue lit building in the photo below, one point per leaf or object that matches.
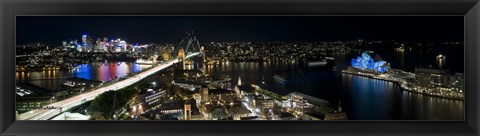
(365, 62)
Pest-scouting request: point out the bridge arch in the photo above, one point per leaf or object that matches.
(189, 42)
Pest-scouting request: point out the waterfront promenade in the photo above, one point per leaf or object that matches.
(407, 85)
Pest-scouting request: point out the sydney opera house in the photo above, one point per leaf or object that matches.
(366, 62)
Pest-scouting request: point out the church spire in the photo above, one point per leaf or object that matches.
(339, 106)
(239, 81)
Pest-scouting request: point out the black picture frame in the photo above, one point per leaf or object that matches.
(11, 8)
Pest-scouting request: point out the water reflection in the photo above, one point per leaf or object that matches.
(369, 99)
(362, 98)
(52, 79)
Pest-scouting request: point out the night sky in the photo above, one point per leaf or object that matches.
(152, 29)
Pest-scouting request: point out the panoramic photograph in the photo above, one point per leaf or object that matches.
(240, 68)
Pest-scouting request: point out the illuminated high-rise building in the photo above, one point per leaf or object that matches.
(205, 94)
(84, 39)
(96, 46)
(79, 48)
(89, 40)
(83, 46)
(432, 77)
(123, 46)
(198, 99)
(90, 44)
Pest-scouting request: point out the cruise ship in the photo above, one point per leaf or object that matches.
(317, 63)
(320, 62)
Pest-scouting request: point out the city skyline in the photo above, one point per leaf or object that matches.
(99, 72)
(151, 29)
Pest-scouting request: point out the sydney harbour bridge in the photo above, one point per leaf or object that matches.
(186, 45)
(189, 43)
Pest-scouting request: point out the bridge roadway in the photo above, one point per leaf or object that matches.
(63, 105)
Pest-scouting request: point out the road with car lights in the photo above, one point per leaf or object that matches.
(56, 108)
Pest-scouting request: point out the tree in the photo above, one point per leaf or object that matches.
(102, 104)
(178, 91)
(96, 116)
(219, 113)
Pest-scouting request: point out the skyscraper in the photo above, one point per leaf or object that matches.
(84, 39)
(123, 46)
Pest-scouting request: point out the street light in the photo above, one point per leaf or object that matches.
(51, 99)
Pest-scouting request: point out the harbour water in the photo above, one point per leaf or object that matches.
(53, 79)
(362, 98)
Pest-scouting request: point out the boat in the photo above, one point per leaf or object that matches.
(69, 84)
(279, 78)
(144, 62)
(317, 63)
(329, 58)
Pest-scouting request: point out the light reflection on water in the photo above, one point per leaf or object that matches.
(53, 79)
(362, 98)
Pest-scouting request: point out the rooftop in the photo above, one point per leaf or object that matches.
(175, 105)
(316, 115)
(220, 91)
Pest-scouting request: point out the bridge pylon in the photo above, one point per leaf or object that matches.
(181, 57)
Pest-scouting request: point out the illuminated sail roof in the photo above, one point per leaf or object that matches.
(365, 61)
